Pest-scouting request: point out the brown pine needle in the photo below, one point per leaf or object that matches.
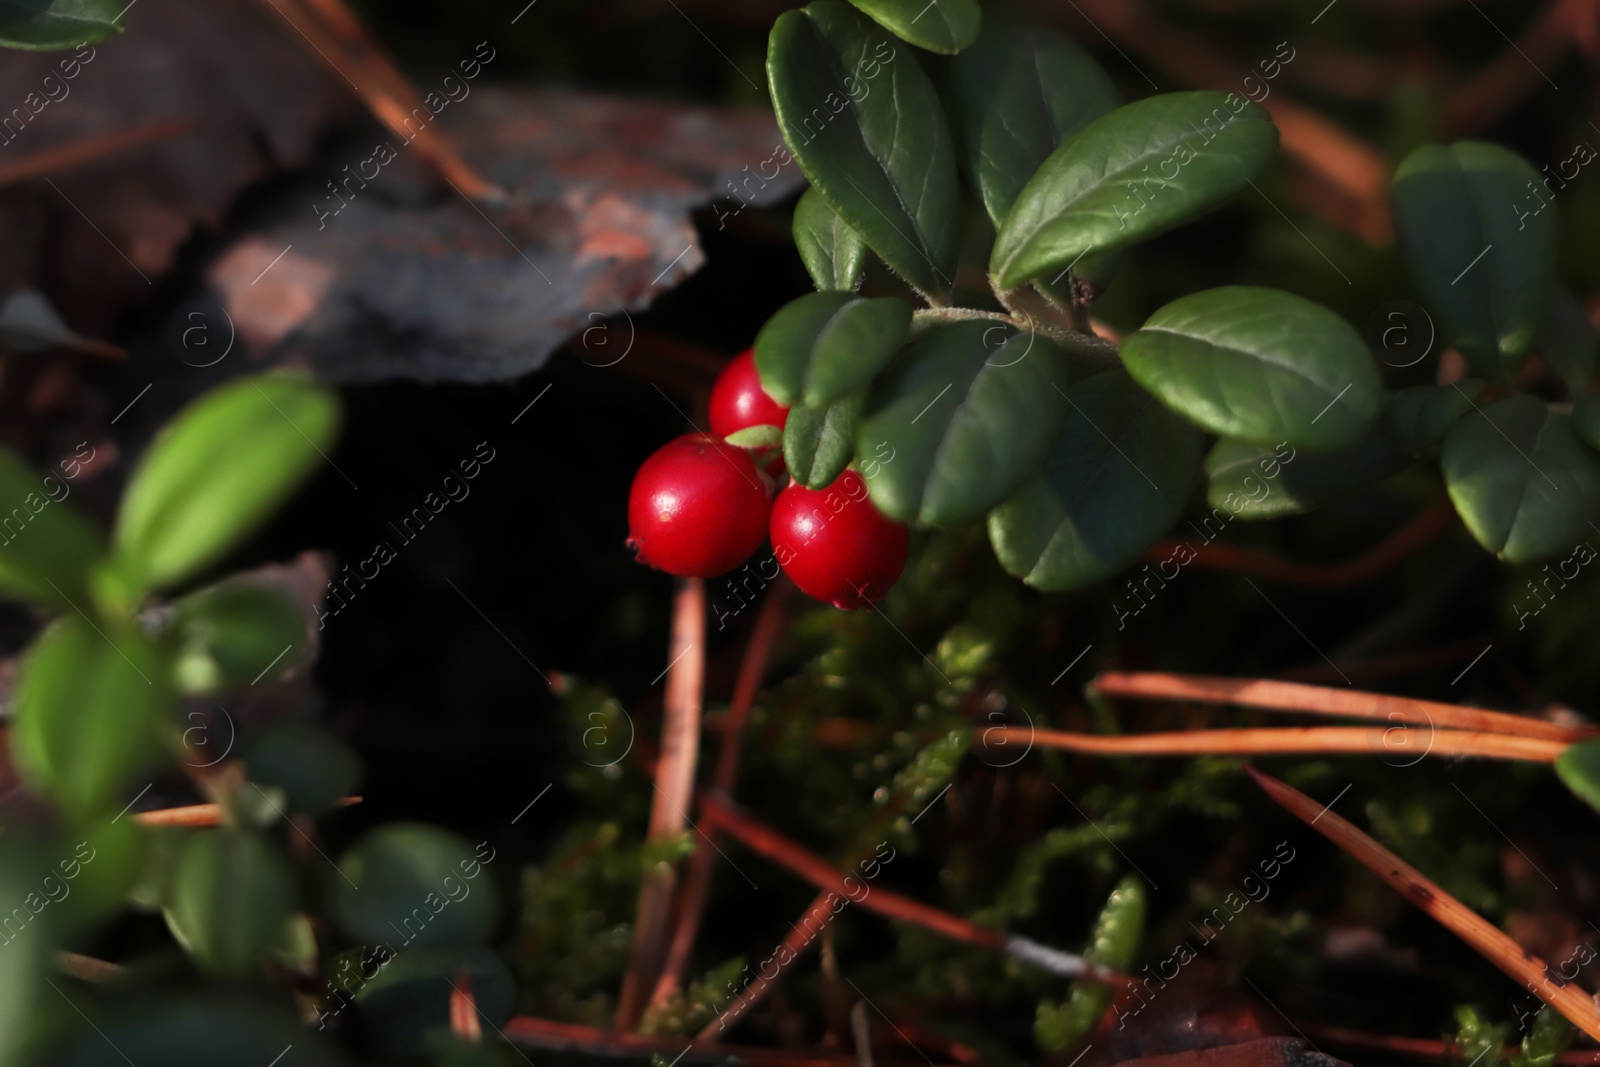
(1286, 741)
(1533, 973)
(1295, 698)
(199, 816)
(51, 160)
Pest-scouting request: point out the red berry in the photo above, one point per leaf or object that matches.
(738, 402)
(835, 545)
(698, 507)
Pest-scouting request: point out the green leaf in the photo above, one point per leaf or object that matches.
(217, 471)
(1015, 97)
(1113, 943)
(232, 634)
(1117, 479)
(834, 254)
(411, 884)
(1417, 419)
(102, 861)
(46, 547)
(228, 900)
(313, 768)
(1144, 168)
(825, 345)
(26, 951)
(187, 1030)
(943, 26)
(49, 25)
(91, 707)
(1549, 1038)
(1521, 480)
(818, 443)
(1566, 341)
(970, 411)
(1578, 767)
(757, 438)
(1586, 419)
(865, 125)
(1481, 263)
(1248, 481)
(1258, 365)
(410, 995)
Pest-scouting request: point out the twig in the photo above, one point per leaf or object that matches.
(697, 882)
(464, 1009)
(1422, 1047)
(1502, 83)
(1295, 698)
(1375, 561)
(200, 816)
(674, 793)
(795, 943)
(1285, 741)
(51, 160)
(87, 968)
(1527, 969)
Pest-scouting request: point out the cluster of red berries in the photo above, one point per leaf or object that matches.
(700, 506)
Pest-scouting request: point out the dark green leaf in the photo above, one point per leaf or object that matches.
(26, 948)
(90, 709)
(1578, 767)
(819, 442)
(834, 254)
(1015, 97)
(46, 547)
(1521, 480)
(231, 634)
(1129, 175)
(1548, 1038)
(313, 769)
(198, 1031)
(216, 471)
(410, 995)
(824, 345)
(1480, 244)
(1417, 419)
(1258, 365)
(228, 900)
(1117, 479)
(1248, 481)
(101, 862)
(1586, 419)
(412, 884)
(865, 125)
(1565, 340)
(49, 25)
(943, 26)
(970, 411)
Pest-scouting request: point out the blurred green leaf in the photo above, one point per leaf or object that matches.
(1258, 365)
(100, 864)
(1476, 1040)
(46, 547)
(1521, 480)
(229, 635)
(51, 25)
(1549, 1038)
(1417, 419)
(1118, 477)
(313, 768)
(1253, 483)
(1110, 187)
(824, 346)
(1479, 243)
(1586, 419)
(91, 706)
(230, 894)
(865, 125)
(1578, 767)
(410, 995)
(818, 443)
(1565, 341)
(943, 26)
(187, 1030)
(217, 471)
(834, 254)
(411, 884)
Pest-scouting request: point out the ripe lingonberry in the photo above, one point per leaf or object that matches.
(738, 402)
(835, 545)
(698, 507)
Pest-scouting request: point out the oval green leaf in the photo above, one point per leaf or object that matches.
(1578, 767)
(943, 26)
(1258, 365)
(1117, 479)
(410, 994)
(1016, 96)
(1566, 340)
(1521, 480)
(228, 900)
(1142, 169)
(1586, 419)
(236, 633)
(313, 768)
(1247, 481)
(1480, 244)
(46, 547)
(187, 1030)
(217, 471)
(818, 443)
(412, 884)
(824, 345)
(90, 709)
(1416, 419)
(50, 25)
(865, 125)
(970, 411)
(835, 255)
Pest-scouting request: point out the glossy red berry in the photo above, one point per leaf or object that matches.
(698, 507)
(835, 545)
(738, 402)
